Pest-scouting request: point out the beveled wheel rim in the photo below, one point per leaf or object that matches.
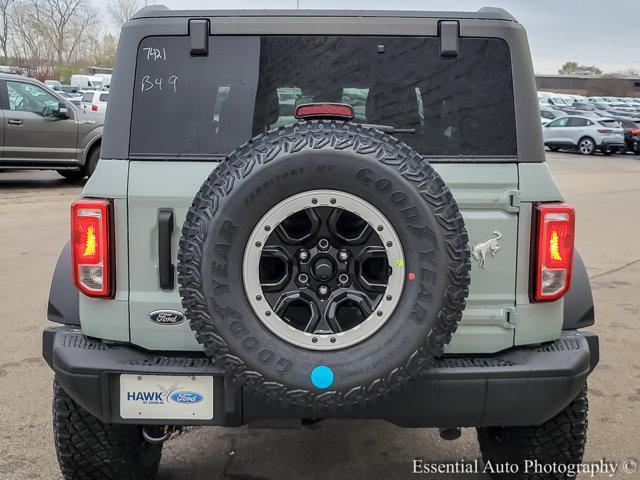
(323, 270)
(586, 146)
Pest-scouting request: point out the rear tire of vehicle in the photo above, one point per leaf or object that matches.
(89, 449)
(636, 149)
(92, 162)
(586, 146)
(72, 175)
(560, 440)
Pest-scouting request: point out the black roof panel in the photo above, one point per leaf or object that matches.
(486, 13)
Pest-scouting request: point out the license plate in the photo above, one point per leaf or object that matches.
(166, 397)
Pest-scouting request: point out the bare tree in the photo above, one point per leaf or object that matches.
(63, 23)
(83, 29)
(30, 49)
(122, 10)
(54, 38)
(97, 52)
(5, 9)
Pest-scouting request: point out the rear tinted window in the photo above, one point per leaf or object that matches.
(186, 106)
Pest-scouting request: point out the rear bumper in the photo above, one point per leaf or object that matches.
(521, 386)
(608, 144)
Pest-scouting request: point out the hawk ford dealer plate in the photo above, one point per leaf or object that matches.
(166, 397)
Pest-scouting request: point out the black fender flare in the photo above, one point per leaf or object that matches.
(578, 302)
(64, 297)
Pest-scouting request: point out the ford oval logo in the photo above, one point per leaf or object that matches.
(186, 397)
(167, 317)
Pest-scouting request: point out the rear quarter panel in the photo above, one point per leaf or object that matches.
(109, 319)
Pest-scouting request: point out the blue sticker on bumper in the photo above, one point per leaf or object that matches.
(321, 377)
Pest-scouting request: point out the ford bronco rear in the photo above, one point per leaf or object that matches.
(305, 215)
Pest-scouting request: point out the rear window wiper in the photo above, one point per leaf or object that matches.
(390, 128)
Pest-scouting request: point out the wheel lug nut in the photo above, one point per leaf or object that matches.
(323, 290)
(343, 255)
(343, 279)
(303, 255)
(303, 278)
(323, 244)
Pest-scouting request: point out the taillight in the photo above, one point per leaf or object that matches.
(325, 110)
(90, 246)
(94, 108)
(635, 132)
(554, 252)
(605, 130)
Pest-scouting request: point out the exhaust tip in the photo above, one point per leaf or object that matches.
(450, 433)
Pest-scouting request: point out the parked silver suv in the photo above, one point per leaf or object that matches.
(584, 134)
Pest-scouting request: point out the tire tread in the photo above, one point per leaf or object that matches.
(561, 440)
(317, 134)
(88, 449)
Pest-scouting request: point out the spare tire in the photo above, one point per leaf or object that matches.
(324, 265)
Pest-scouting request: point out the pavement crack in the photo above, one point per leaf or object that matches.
(617, 269)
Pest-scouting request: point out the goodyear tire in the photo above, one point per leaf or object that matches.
(302, 161)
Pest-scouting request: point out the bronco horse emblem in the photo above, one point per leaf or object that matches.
(482, 249)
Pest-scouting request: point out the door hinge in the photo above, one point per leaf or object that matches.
(449, 33)
(513, 201)
(199, 37)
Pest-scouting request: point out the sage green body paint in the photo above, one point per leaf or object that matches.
(493, 197)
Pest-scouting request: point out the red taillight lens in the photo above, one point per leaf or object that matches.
(556, 228)
(635, 132)
(90, 246)
(605, 130)
(94, 108)
(326, 110)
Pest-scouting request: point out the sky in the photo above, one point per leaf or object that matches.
(590, 32)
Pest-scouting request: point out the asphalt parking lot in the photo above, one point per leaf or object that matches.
(34, 228)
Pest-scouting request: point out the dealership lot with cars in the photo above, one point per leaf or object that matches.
(34, 224)
(610, 125)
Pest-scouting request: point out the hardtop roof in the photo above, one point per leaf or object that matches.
(486, 13)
